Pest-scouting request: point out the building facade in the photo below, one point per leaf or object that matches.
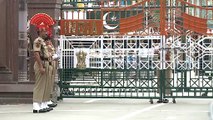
(16, 60)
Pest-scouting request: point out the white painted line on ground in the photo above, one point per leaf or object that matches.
(87, 110)
(128, 116)
(1, 112)
(90, 110)
(100, 110)
(91, 101)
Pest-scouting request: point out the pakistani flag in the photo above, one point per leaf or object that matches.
(111, 19)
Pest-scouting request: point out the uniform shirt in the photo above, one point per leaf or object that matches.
(40, 46)
(167, 53)
(144, 52)
(55, 54)
(51, 49)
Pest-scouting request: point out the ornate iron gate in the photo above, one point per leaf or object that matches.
(115, 67)
(150, 49)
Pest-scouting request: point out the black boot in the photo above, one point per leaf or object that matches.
(40, 111)
(49, 109)
(52, 105)
(160, 101)
(165, 101)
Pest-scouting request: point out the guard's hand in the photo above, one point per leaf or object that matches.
(57, 59)
(168, 56)
(42, 70)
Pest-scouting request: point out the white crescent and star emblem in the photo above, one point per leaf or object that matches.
(105, 22)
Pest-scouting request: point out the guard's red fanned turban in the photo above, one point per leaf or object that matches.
(43, 21)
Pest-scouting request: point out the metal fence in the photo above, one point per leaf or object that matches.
(170, 55)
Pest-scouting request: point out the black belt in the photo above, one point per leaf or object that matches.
(50, 63)
(44, 59)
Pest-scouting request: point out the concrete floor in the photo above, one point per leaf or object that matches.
(112, 109)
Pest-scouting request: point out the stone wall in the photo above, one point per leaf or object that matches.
(12, 90)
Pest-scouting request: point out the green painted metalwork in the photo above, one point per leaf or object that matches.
(187, 85)
(108, 83)
(187, 74)
(124, 83)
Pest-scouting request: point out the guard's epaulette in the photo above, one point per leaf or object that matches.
(39, 40)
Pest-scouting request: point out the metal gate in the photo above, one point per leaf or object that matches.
(120, 67)
(150, 49)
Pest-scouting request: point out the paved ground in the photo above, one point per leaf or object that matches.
(112, 109)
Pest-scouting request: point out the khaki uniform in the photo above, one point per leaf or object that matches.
(41, 91)
(51, 49)
(168, 73)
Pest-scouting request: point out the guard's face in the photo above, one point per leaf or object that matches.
(43, 33)
(48, 42)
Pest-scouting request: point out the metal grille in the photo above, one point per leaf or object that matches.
(169, 55)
